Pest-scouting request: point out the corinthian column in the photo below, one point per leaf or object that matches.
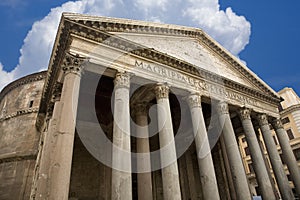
(282, 181)
(170, 175)
(259, 166)
(142, 146)
(235, 161)
(287, 153)
(121, 156)
(64, 133)
(206, 166)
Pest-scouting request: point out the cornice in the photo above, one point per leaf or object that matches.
(98, 31)
(58, 51)
(98, 35)
(290, 109)
(19, 113)
(134, 26)
(22, 81)
(18, 158)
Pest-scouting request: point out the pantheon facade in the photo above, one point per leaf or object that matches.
(139, 110)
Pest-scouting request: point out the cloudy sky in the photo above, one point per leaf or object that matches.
(264, 34)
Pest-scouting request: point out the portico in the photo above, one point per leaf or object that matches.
(170, 119)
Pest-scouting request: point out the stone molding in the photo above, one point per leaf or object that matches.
(73, 64)
(57, 91)
(245, 113)
(194, 100)
(202, 37)
(16, 158)
(120, 25)
(162, 91)
(262, 119)
(277, 124)
(122, 80)
(23, 81)
(98, 31)
(290, 109)
(19, 113)
(223, 108)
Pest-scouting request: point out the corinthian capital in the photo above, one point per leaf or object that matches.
(245, 113)
(262, 119)
(140, 109)
(73, 64)
(194, 100)
(223, 108)
(122, 79)
(162, 91)
(277, 124)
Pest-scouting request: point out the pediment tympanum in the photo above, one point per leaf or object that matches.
(181, 51)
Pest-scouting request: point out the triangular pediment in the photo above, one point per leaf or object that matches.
(188, 45)
(191, 51)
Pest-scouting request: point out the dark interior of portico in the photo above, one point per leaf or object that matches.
(91, 179)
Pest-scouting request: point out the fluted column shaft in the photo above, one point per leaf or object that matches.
(170, 175)
(259, 166)
(282, 181)
(205, 162)
(121, 159)
(142, 144)
(288, 154)
(236, 164)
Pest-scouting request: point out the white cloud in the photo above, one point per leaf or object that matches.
(230, 30)
(6, 77)
(151, 4)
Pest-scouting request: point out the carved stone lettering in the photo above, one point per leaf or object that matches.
(213, 89)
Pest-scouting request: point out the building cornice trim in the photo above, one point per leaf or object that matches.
(290, 109)
(19, 113)
(152, 54)
(99, 32)
(22, 81)
(141, 27)
(17, 158)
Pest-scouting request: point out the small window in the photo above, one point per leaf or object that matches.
(297, 153)
(290, 134)
(30, 104)
(285, 120)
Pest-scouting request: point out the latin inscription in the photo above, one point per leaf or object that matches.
(202, 85)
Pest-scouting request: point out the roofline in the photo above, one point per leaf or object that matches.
(22, 81)
(142, 24)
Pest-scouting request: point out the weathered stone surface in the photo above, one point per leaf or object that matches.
(18, 136)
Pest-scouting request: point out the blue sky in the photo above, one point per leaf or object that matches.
(264, 34)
